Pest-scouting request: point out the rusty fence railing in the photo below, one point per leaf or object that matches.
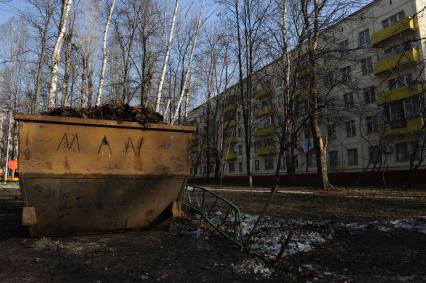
(215, 210)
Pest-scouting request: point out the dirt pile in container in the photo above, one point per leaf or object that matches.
(125, 112)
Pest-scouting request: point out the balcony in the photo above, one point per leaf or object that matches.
(266, 150)
(263, 111)
(229, 124)
(392, 30)
(404, 127)
(264, 92)
(398, 60)
(230, 156)
(266, 131)
(230, 108)
(230, 140)
(399, 93)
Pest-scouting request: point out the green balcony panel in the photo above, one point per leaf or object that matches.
(393, 30)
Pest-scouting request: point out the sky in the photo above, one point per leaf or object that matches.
(9, 9)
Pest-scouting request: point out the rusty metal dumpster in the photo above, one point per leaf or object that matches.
(87, 176)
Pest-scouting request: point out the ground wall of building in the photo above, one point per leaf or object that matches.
(393, 177)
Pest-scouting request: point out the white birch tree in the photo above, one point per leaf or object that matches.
(66, 7)
(191, 56)
(104, 55)
(166, 58)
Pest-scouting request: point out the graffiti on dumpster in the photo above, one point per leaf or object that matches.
(69, 143)
(104, 144)
(130, 146)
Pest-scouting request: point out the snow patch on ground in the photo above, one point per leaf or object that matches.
(75, 248)
(412, 224)
(252, 266)
(272, 232)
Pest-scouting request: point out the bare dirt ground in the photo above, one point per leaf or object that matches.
(352, 235)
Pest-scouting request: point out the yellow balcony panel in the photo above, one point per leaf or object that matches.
(212, 160)
(211, 119)
(398, 60)
(399, 93)
(266, 150)
(230, 108)
(264, 92)
(230, 140)
(392, 30)
(229, 124)
(263, 111)
(412, 125)
(230, 156)
(266, 131)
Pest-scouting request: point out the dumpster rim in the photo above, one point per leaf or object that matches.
(99, 123)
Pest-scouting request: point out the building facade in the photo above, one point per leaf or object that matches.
(374, 121)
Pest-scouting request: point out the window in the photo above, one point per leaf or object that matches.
(364, 38)
(370, 95)
(350, 128)
(393, 19)
(349, 100)
(240, 167)
(344, 47)
(402, 154)
(397, 112)
(331, 131)
(269, 164)
(231, 167)
(333, 158)
(367, 66)
(311, 159)
(374, 154)
(372, 125)
(406, 150)
(256, 165)
(346, 74)
(239, 132)
(352, 156)
(240, 150)
(400, 81)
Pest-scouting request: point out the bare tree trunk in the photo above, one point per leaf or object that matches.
(68, 51)
(104, 55)
(83, 97)
(191, 56)
(166, 58)
(68, 40)
(90, 86)
(66, 7)
(41, 58)
(312, 41)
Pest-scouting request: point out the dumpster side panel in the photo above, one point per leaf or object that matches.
(73, 206)
(85, 178)
(85, 150)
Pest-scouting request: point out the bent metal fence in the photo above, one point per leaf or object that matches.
(217, 211)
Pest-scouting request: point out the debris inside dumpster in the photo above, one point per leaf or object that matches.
(124, 112)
